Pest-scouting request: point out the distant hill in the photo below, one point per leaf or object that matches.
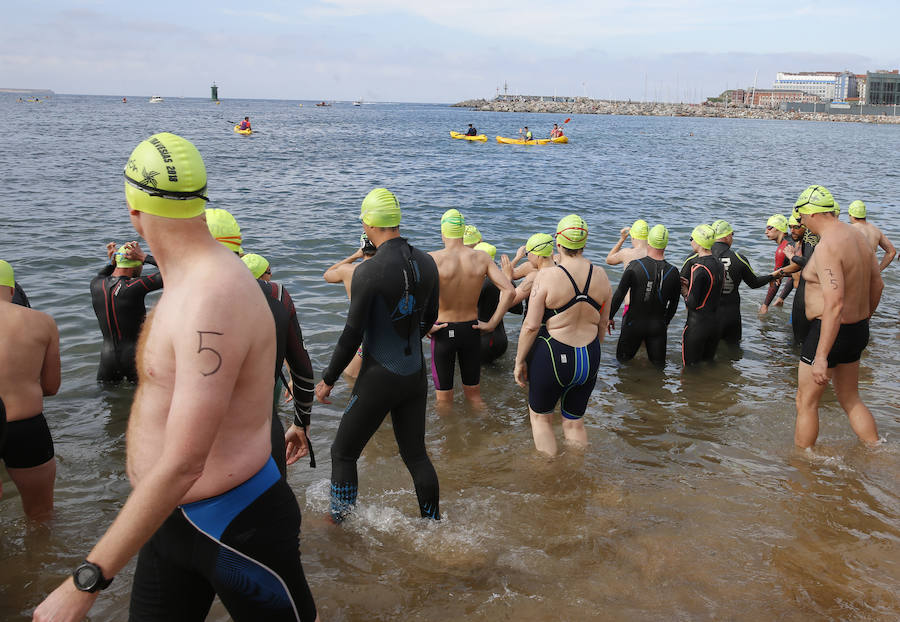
(29, 91)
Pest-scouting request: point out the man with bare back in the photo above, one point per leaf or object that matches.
(29, 370)
(209, 511)
(843, 287)
(458, 331)
(874, 235)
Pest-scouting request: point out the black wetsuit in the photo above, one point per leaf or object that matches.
(289, 347)
(705, 276)
(494, 344)
(393, 304)
(19, 297)
(737, 269)
(799, 323)
(655, 288)
(119, 305)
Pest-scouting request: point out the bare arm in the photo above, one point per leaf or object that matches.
(889, 251)
(520, 272)
(523, 290)
(876, 286)
(615, 257)
(831, 278)
(528, 333)
(507, 293)
(50, 371)
(336, 273)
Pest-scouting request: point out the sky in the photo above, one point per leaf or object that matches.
(437, 51)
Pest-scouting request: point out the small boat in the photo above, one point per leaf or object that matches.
(322, 104)
(536, 141)
(479, 137)
(156, 99)
(357, 103)
(238, 130)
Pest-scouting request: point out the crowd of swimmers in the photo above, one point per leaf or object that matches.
(210, 511)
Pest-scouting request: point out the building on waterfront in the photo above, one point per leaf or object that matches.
(765, 98)
(861, 81)
(883, 88)
(826, 85)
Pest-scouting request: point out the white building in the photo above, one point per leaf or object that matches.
(821, 84)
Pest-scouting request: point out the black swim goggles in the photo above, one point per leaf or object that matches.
(539, 246)
(175, 195)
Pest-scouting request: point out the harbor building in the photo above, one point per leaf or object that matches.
(826, 85)
(883, 87)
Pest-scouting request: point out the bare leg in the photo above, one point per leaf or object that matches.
(473, 394)
(806, 429)
(575, 432)
(542, 430)
(444, 396)
(35, 486)
(846, 387)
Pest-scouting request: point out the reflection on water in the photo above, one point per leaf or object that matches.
(690, 502)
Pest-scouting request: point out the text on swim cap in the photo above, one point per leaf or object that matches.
(164, 153)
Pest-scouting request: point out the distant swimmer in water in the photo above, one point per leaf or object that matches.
(471, 131)
(843, 288)
(472, 236)
(874, 235)
(493, 344)
(117, 295)
(208, 513)
(393, 305)
(29, 370)
(618, 255)
(702, 277)
(558, 354)
(245, 124)
(655, 287)
(342, 272)
(777, 231)
(457, 333)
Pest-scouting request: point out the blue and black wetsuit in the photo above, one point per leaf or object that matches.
(799, 323)
(119, 305)
(737, 269)
(705, 277)
(655, 288)
(494, 344)
(393, 304)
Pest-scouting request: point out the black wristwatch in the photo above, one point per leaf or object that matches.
(89, 578)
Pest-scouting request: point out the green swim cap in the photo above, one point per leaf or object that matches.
(658, 237)
(816, 200)
(640, 230)
(7, 277)
(257, 264)
(778, 222)
(122, 261)
(453, 225)
(224, 228)
(857, 209)
(380, 208)
(793, 221)
(722, 228)
(704, 235)
(165, 176)
(572, 232)
(490, 249)
(472, 235)
(540, 244)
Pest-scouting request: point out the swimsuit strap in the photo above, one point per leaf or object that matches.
(574, 284)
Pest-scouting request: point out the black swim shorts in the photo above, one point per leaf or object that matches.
(848, 346)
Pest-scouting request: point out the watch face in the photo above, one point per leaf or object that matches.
(86, 577)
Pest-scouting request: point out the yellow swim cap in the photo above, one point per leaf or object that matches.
(572, 232)
(704, 235)
(380, 208)
(122, 261)
(816, 200)
(658, 237)
(224, 228)
(793, 221)
(257, 264)
(472, 235)
(778, 222)
(490, 249)
(857, 209)
(165, 176)
(540, 244)
(453, 225)
(7, 277)
(640, 230)
(722, 229)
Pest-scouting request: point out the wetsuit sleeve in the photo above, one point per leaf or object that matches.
(671, 293)
(749, 277)
(686, 267)
(150, 259)
(699, 287)
(106, 270)
(430, 311)
(298, 360)
(624, 285)
(786, 288)
(151, 283)
(348, 343)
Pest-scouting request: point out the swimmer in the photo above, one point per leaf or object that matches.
(494, 344)
(843, 288)
(874, 235)
(117, 295)
(656, 287)
(799, 253)
(559, 346)
(342, 272)
(208, 511)
(539, 251)
(472, 236)
(457, 332)
(618, 255)
(394, 303)
(777, 231)
(737, 269)
(702, 278)
(29, 370)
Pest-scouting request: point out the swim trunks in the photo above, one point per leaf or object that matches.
(242, 545)
(558, 372)
(848, 346)
(28, 443)
(456, 339)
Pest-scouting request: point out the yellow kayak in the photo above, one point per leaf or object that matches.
(479, 137)
(537, 141)
(238, 130)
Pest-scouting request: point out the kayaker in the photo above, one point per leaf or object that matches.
(527, 133)
(471, 131)
(245, 124)
(556, 132)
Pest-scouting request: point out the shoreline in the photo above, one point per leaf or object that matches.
(583, 105)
